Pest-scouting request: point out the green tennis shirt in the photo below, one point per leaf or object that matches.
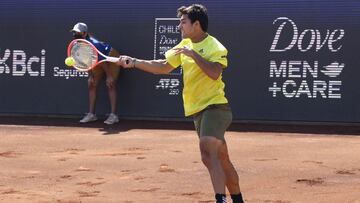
(199, 89)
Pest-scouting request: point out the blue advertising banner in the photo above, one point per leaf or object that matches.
(289, 60)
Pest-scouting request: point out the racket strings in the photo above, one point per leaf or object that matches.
(84, 55)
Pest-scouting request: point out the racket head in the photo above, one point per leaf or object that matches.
(84, 53)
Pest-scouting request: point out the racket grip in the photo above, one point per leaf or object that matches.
(112, 59)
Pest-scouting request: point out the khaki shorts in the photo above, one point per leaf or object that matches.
(98, 72)
(213, 121)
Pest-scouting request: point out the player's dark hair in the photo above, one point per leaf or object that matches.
(195, 12)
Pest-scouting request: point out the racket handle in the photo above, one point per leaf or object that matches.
(112, 59)
(115, 60)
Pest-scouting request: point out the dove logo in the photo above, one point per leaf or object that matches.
(302, 78)
(333, 70)
(317, 39)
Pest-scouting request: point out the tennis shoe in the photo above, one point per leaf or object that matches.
(89, 117)
(112, 119)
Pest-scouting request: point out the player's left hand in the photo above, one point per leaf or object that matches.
(187, 51)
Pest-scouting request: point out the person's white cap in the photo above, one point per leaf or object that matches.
(79, 27)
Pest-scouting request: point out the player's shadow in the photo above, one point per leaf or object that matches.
(302, 128)
(115, 129)
(126, 125)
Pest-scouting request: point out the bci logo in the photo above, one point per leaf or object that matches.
(17, 63)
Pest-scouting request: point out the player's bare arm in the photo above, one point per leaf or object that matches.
(151, 66)
(213, 70)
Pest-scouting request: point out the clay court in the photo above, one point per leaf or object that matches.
(58, 160)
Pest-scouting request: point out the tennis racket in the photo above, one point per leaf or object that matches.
(86, 55)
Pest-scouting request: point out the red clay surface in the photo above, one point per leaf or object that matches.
(58, 160)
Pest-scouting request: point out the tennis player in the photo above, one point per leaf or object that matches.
(80, 31)
(203, 58)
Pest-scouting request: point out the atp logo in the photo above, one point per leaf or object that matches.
(169, 84)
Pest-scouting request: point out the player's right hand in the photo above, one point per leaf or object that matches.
(126, 61)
